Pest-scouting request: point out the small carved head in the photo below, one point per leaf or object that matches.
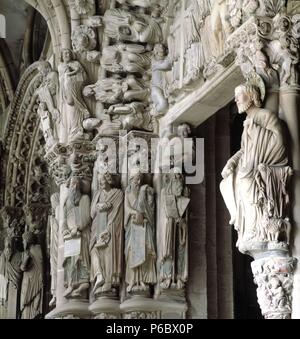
(159, 51)
(184, 130)
(66, 55)
(246, 96)
(139, 26)
(28, 239)
(44, 68)
(105, 180)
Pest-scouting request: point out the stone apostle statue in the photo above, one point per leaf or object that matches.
(73, 108)
(32, 283)
(76, 232)
(107, 236)
(11, 276)
(140, 252)
(256, 178)
(173, 217)
(54, 229)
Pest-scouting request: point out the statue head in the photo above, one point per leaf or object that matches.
(44, 68)
(43, 106)
(136, 180)
(66, 55)
(184, 130)
(139, 26)
(28, 239)
(246, 96)
(105, 181)
(159, 51)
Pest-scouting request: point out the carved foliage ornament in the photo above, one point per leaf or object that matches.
(82, 7)
(83, 39)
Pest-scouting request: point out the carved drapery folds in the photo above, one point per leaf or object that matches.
(266, 44)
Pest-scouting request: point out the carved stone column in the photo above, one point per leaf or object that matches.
(267, 48)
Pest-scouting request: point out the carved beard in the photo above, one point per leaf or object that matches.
(176, 187)
(243, 108)
(75, 196)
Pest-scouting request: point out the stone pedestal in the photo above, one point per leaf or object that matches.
(139, 307)
(105, 308)
(71, 310)
(172, 304)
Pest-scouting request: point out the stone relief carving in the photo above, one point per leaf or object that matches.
(126, 26)
(274, 278)
(160, 64)
(121, 58)
(107, 236)
(173, 218)
(116, 89)
(76, 233)
(140, 252)
(83, 39)
(259, 211)
(32, 283)
(82, 7)
(219, 22)
(73, 108)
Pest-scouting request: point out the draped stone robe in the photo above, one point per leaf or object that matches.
(140, 252)
(262, 147)
(106, 260)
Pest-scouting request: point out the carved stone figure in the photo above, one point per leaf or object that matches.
(115, 90)
(221, 27)
(160, 64)
(73, 108)
(11, 274)
(48, 90)
(124, 26)
(139, 3)
(54, 230)
(173, 218)
(47, 125)
(32, 283)
(255, 185)
(107, 236)
(140, 252)
(76, 232)
(121, 58)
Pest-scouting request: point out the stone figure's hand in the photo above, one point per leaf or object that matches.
(138, 218)
(228, 170)
(66, 234)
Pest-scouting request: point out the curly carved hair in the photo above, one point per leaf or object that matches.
(254, 93)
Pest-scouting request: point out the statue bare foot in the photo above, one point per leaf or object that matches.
(130, 287)
(68, 292)
(180, 284)
(80, 290)
(52, 302)
(99, 283)
(106, 288)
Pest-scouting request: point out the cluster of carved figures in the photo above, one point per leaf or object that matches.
(114, 236)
